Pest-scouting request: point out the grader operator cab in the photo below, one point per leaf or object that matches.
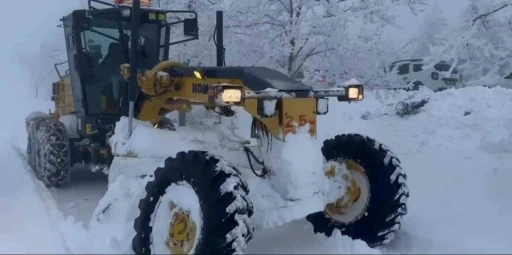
(93, 95)
(118, 66)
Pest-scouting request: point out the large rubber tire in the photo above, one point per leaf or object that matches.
(225, 207)
(48, 151)
(388, 190)
(416, 85)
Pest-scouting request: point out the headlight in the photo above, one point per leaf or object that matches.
(199, 75)
(232, 95)
(353, 93)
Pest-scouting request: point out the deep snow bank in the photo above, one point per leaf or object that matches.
(455, 152)
(30, 221)
(457, 155)
(287, 196)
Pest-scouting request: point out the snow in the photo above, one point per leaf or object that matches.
(322, 105)
(269, 107)
(268, 94)
(452, 174)
(300, 154)
(26, 215)
(30, 220)
(456, 152)
(285, 196)
(351, 82)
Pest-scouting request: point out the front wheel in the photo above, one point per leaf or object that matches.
(376, 204)
(196, 204)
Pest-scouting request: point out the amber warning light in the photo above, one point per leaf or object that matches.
(144, 3)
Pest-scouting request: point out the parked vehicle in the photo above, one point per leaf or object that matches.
(418, 73)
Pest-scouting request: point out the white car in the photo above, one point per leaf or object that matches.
(435, 78)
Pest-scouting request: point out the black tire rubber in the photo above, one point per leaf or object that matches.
(32, 126)
(208, 175)
(434, 76)
(416, 85)
(388, 191)
(48, 151)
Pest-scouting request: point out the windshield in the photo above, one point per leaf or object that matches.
(107, 47)
(444, 67)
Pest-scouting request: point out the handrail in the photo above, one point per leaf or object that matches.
(57, 69)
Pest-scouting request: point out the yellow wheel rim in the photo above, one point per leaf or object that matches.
(353, 204)
(182, 233)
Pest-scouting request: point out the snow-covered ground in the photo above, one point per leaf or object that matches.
(456, 151)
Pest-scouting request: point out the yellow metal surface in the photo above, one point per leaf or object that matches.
(182, 233)
(150, 111)
(169, 93)
(352, 193)
(298, 112)
(88, 129)
(64, 103)
(251, 106)
(353, 166)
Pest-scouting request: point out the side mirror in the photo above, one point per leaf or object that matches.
(190, 27)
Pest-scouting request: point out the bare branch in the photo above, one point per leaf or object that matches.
(483, 17)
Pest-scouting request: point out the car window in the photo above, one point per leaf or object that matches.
(391, 67)
(442, 67)
(403, 69)
(417, 67)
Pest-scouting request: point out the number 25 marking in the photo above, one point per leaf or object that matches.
(303, 120)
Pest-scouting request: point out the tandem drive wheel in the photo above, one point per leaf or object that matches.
(375, 200)
(48, 151)
(196, 204)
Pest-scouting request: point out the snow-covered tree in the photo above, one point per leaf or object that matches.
(300, 36)
(481, 43)
(200, 52)
(430, 33)
(340, 39)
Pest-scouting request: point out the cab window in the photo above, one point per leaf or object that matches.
(104, 83)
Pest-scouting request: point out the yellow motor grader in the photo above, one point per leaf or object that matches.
(118, 58)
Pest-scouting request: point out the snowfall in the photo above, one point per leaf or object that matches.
(456, 152)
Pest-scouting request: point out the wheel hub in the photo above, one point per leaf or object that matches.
(352, 205)
(182, 232)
